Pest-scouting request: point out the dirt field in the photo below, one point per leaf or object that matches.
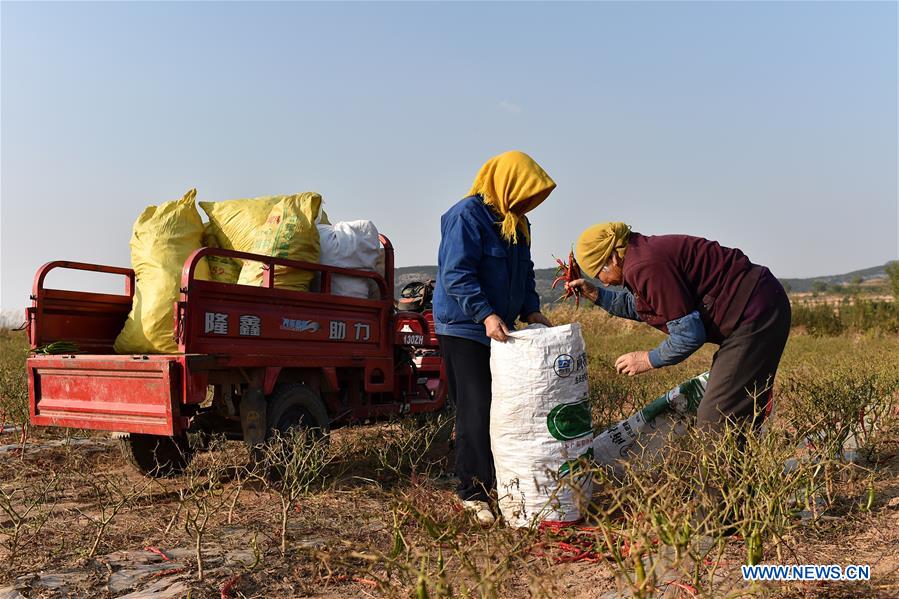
(374, 514)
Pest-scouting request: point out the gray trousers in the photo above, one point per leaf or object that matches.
(743, 369)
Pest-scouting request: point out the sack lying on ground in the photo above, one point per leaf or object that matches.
(645, 432)
(352, 244)
(540, 424)
(289, 232)
(162, 238)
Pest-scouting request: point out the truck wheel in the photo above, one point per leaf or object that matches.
(297, 406)
(157, 456)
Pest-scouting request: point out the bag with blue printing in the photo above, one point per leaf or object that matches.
(541, 429)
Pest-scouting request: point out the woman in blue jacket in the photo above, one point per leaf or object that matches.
(485, 281)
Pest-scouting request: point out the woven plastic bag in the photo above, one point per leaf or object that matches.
(353, 244)
(541, 430)
(221, 268)
(646, 432)
(288, 232)
(233, 223)
(162, 239)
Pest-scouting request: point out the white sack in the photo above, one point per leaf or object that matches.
(540, 424)
(351, 244)
(646, 432)
(374, 292)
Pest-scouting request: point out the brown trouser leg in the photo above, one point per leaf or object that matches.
(743, 369)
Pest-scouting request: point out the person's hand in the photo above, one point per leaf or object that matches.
(496, 328)
(633, 363)
(538, 318)
(585, 288)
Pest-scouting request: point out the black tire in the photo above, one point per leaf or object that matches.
(297, 406)
(201, 432)
(156, 456)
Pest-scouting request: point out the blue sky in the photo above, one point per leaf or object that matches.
(771, 127)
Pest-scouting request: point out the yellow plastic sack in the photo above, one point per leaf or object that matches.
(221, 268)
(233, 223)
(162, 238)
(288, 232)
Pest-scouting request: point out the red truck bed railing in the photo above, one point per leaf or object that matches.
(225, 330)
(91, 320)
(266, 320)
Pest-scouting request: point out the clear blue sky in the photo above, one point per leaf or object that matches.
(767, 126)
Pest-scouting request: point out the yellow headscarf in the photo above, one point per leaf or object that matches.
(513, 184)
(596, 244)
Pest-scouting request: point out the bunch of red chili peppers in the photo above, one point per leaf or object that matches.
(568, 272)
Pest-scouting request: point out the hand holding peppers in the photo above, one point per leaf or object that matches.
(568, 272)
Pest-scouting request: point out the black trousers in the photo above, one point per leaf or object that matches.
(743, 368)
(467, 366)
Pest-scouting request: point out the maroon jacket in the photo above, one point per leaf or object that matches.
(673, 275)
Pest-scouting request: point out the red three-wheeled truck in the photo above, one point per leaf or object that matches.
(251, 360)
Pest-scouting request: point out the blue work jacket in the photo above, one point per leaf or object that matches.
(479, 273)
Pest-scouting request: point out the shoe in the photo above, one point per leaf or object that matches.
(481, 511)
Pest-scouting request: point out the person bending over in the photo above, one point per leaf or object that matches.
(696, 291)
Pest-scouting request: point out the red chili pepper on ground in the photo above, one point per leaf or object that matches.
(158, 552)
(162, 573)
(568, 272)
(573, 543)
(690, 590)
(226, 589)
(357, 579)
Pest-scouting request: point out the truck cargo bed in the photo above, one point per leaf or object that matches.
(107, 392)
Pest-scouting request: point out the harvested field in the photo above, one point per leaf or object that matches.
(373, 515)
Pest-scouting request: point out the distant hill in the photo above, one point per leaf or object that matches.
(543, 277)
(869, 277)
(874, 276)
